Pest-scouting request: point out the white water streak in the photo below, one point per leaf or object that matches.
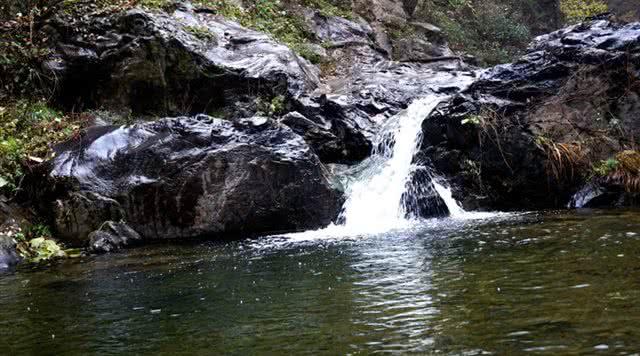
(374, 202)
(375, 197)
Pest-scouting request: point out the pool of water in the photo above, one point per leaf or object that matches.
(559, 283)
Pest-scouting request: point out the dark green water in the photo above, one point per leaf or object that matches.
(555, 283)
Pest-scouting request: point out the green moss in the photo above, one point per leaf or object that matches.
(272, 17)
(327, 8)
(272, 107)
(306, 52)
(201, 32)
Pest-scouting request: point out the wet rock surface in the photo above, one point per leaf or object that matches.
(112, 236)
(8, 228)
(366, 88)
(154, 63)
(186, 177)
(524, 134)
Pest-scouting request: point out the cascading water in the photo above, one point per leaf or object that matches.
(375, 198)
(380, 192)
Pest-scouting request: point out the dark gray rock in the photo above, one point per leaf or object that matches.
(187, 177)
(153, 63)
(352, 113)
(9, 227)
(8, 253)
(425, 43)
(576, 88)
(111, 237)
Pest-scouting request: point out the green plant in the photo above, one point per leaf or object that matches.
(495, 31)
(277, 105)
(578, 10)
(604, 168)
(28, 129)
(42, 249)
(307, 52)
(472, 119)
(327, 8)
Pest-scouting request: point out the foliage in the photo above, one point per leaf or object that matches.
(578, 10)
(604, 168)
(22, 50)
(34, 244)
(272, 17)
(494, 31)
(327, 8)
(307, 52)
(27, 131)
(41, 249)
(277, 105)
(472, 119)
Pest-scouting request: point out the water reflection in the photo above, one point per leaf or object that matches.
(556, 283)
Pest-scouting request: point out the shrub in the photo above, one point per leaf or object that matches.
(28, 129)
(578, 10)
(604, 168)
(494, 31)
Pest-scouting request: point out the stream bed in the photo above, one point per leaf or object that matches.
(555, 282)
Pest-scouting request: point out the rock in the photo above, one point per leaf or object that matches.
(627, 10)
(153, 63)
(365, 87)
(351, 115)
(9, 227)
(603, 194)
(396, 32)
(8, 253)
(111, 237)
(186, 177)
(425, 43)
(526, 134)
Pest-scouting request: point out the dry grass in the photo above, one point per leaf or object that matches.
(564, 160)
(627, 173)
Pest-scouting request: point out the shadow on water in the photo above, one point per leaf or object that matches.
(555, 282)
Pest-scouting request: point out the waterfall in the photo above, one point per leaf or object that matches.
(375, 198)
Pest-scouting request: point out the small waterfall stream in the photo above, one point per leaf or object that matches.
(374, 199)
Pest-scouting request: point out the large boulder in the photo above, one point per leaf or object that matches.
(185, 177)
(529, 134)
(155, 63)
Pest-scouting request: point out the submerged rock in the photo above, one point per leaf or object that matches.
(8, 229)
(112, 236)
(526, 135)
(187, 177)
(8, 253)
